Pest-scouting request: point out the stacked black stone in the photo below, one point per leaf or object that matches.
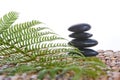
(81, 39)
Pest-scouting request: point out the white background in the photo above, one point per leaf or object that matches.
(59, 15)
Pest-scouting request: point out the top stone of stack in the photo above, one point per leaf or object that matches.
(80, 27)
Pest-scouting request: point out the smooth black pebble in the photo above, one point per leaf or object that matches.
(80, 27)
(83, 43)
(81, 35)
(89, 52)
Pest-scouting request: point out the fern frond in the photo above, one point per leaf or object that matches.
(18, 30)
(7, 20)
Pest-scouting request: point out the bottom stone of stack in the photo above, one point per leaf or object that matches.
(89, 52)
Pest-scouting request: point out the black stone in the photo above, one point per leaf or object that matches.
(80, 35)
(83, 43)
(80, 27)
(89, 52)
(86, 52)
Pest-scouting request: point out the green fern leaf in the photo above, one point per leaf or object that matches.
(7, 20)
